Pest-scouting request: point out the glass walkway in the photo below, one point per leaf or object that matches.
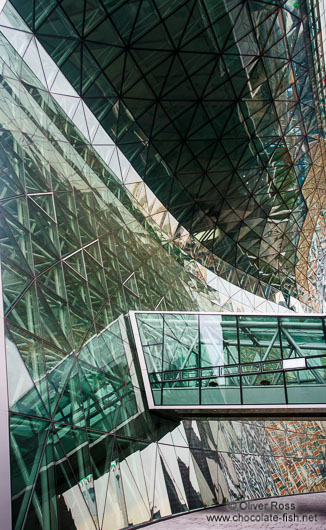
(225, 362)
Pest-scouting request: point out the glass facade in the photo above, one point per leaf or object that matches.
(84, 239)
(211, 360)
(219, 106)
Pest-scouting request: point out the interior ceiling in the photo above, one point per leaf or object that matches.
(213, 103)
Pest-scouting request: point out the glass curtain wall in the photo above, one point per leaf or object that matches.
(76, 256)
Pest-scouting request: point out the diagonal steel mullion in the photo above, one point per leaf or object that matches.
(270, 346)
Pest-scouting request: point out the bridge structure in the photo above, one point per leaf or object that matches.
(240, 364)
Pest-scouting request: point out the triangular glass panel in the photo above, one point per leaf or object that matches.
(71, 502)
(25, 312)
(55, 327)
(31, 351)
(175, 489)
(32, 58)
(106, 393)
(10, 186)
(133, 481)
(53, 279)
(45, 202)
(28, 438)
(43, 227)
(115, 513)
(14, 281)
(94, 250)
(155, 482)
(23, 395)
(131, 284)
(77, 289)
(70, 408)
(43, 507)
(76, 262)
(57, 376)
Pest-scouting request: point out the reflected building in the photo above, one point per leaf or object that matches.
(165, 157)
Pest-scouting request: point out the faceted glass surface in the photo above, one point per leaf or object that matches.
(217, 107)
(80, 248)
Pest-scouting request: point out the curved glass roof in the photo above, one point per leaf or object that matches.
(218, 108)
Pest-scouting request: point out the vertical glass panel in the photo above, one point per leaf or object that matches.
(100, 448)
(153, 357)
(42, 511)
(259, 338)
(302, 336)
(230, 339)
(74, 445)
(260, 389)
(31, 353)
(181, 393)
(230, 476)
(27, 440)
(187, 470)
(23, 395)
(71, 501)
(316, 361)
(70, 409)
(134, 489)
(221, 391)
(155, 484)
(115, 513)
(180, 350)
(156, 387)
(306, 386)
(171, 470)
(150, 327)
(218, 340)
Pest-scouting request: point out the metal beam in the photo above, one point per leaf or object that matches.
(5, 497)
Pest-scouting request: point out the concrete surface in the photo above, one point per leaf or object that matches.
(299, 512)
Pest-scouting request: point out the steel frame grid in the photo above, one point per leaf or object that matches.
(131, 43)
